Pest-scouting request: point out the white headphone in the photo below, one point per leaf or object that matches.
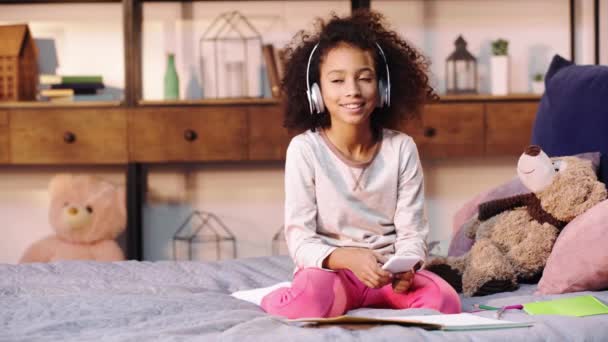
(313, 93)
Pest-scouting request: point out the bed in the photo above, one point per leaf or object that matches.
(177, 301)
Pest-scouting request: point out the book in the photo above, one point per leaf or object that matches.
(49, 79)
(58, 79)
(82, 79)
(59, 99)
(80, 88)
(56, 92)
(271, 69)
(578, 306)
(280, 60)
(95, 97)
(447, 322)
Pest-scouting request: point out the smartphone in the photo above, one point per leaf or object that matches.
(400, 264)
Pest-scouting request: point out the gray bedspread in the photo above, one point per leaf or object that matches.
(190, 301)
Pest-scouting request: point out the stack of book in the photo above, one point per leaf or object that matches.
(57, 88)
(274, 60)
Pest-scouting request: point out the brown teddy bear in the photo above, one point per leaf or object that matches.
(514, 236)
(87, 213)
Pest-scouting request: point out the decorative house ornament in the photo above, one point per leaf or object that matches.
(499, 67)
(230, 55)
(203, 233)
(461, 70)
(18, 64)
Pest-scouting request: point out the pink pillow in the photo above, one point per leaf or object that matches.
(579, 259)
(460, 244)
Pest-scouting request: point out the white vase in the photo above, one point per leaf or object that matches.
(499, 68)
(538, 87)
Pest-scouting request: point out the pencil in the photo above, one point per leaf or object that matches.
(485, 307)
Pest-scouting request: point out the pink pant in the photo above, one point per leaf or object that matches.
(319, 293)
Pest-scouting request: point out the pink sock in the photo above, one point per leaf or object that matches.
(428, 291)
(311, 295)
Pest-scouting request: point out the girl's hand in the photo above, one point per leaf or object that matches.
(402, 281)
(363, 263)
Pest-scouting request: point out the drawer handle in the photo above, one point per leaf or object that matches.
(429, 132)
(190, 135)
(69, 137)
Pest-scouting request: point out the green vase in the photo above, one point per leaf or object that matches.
(171, 79)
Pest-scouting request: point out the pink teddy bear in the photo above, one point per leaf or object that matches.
(87, 214)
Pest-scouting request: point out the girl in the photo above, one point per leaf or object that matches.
(353, 187)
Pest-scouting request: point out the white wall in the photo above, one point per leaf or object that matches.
(88, 37)
(536, 30)
(249, 198)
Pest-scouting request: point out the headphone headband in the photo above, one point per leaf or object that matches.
(313, 93)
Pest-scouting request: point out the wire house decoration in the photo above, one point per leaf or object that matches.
(201, 229)
(279, 245)
(230, 57)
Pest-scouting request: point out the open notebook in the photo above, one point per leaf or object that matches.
(454, 322)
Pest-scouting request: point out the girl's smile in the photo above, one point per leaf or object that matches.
(354, 107)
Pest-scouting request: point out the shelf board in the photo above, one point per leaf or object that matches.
(213, 0)
(211, 102)
(245, 101)
(44, 104)
(19, 2)
(489, 97)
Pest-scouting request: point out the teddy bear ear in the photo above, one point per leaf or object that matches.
(58, 181)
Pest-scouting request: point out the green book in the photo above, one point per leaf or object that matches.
(82, 79)
(578, 306)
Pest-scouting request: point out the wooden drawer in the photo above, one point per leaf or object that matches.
(166, 134)
(4, 137)
(509, 127)
(68, 136)
(268, 139)
(448, 130)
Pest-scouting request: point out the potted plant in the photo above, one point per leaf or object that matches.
(538, 84)
(499, 67)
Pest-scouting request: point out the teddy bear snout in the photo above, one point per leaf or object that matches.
(76, 217)
(532, 150)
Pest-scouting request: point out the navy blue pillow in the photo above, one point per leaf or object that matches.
(573, 113)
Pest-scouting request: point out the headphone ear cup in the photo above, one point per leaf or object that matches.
(382, 100)
(310, 105)
(317, 99)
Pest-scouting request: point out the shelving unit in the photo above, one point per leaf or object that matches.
(136, 133)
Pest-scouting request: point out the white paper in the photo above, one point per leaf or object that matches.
(462, 321)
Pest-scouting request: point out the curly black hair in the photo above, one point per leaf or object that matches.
(408, 69)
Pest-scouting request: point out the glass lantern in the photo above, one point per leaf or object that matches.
(461, 70)
(203, 236)
(230, 55)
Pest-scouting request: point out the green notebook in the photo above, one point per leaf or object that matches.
(578, 306)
